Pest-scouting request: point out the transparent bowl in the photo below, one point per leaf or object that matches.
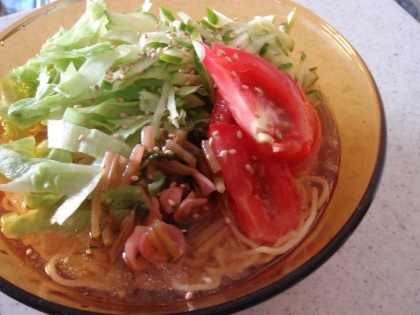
(354, 101)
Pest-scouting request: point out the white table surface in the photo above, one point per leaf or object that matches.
(377, 271)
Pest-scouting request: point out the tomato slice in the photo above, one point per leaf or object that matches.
(221, 113)
(263, 195)
(265, 102)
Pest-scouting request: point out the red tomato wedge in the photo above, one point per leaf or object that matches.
(265, 102)
(264, 198)
(221, 113)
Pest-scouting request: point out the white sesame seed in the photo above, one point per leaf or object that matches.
(239, 134)
(116, 136)
(228, 59)
(29, 251)
(223, 153)
(125, 127)
(66, 260)
(235, 56)
(233, 73)
(215, 133)
(156, 149)
(77, 106)
(221, 53)
(147, 113)
(139, 118)
(173, 184)
(279, 135)
(123, 115)
(227, 220)
(232, 151)
(244, 87)
(134, 178)
(81, 138)
(208, 280)
(258, 90)
(188, 296)
(221, 116)
(210, 141)
(186, 55)
(249, 168)
(254, 157)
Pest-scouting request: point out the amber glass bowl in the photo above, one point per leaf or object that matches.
(354, 101)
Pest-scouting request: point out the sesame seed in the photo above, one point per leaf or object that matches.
(120, 100)
(208, 280)
(235, 56)
(254, 157)
(81, 138)
(139, 118)
(233, 35)
(208, 157)
(139, 33)
(2, 43)
(97, 87)
(184, 231)
(153, 87)
(182, 185)
(249, 168)
(159, 50)
(153, 55)
(221, 53)
(233, 73)
(210, 141)
(186, 55)
(215, 133)
(173, 184)
(116, 136)
(147, 113)
(117, 126)
(245, 87)
(125, 127)
(123, 115)
(188, 296)
(134, 178)
(232, 151)
(227, 220)
(29, 251)
(156, 149)
(140, 71)
(66, 260)
(168, 152)
(228, 59)
(258, 90)
(239, 134)
(77, 106)
(109, 77)
(221, 116)
(279, 135)
(223, 153)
